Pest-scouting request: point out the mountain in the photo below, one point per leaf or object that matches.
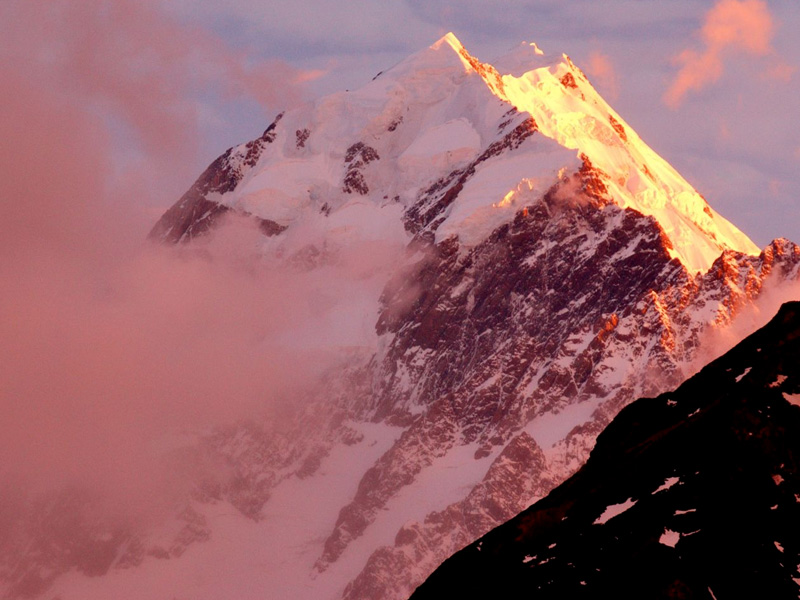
(545, 268)
(692, 494)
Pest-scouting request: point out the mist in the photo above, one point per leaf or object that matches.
(110, 344)
(747, 320)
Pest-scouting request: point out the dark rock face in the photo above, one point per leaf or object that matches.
(194, 214)
(693, 494)
(553, 328)
(490, 287)
(568, 81)
(619, 128)
(358, 156)
(301, 136)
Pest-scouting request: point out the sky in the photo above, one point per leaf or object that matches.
(112, 108)
(711, 86)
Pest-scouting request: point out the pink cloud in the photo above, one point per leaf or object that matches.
(108, 344)
(724, 130)
(601, 69)
(137, 72)
(780, 71)
(731, 26)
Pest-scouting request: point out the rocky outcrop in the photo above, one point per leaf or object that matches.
(198, 209)
(358, 156)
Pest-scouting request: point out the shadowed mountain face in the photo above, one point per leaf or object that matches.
(693, 494)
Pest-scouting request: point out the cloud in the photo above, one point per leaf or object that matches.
(139, 74)
(601, 69)
(748, 319)
(780, 71)
(731, 27)
(108, 344)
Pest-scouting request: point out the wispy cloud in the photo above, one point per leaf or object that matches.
(602, 71)
(731, 27)
(106, 343)
(143, 72)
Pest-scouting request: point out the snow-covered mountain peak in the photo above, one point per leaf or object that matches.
(450, 140)
(447, 53)
(522, 58)
(449, 39)
(569, 110)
